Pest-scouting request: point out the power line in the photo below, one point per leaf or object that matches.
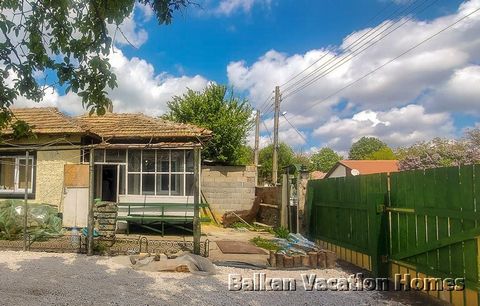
(324, 55)
(268, 131)
(296, 130)
(361, 39)
(392, 60)
(346, 57)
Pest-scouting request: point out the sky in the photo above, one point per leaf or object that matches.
(254, 45)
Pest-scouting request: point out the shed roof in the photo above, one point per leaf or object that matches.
(45, 120)
(368, 166)
(137, 125)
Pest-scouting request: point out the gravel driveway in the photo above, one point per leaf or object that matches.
(70, 279)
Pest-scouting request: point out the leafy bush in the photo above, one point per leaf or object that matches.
(281, 232)
(265, 243)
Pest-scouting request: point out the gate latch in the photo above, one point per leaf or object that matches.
(380, 208)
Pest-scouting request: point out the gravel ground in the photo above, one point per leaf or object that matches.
(70, 279)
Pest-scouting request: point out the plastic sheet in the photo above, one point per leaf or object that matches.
(295, 244)
(196, 264)
(43, 220)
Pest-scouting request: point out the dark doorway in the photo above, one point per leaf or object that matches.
(109, 183)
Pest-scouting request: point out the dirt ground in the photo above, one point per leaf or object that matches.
(70, 279)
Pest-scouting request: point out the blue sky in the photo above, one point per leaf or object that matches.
(203, 44)
(253, 45)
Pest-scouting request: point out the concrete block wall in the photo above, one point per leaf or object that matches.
(228, 188)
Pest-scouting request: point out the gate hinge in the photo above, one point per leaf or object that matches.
(380, 208)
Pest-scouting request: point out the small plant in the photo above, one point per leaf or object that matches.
(265, 243)
(281, 232)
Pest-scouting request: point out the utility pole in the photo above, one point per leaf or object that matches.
(275, 136)
(257, 136)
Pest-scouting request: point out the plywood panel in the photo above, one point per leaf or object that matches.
(76, 175)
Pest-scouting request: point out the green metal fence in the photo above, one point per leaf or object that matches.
(425, 220)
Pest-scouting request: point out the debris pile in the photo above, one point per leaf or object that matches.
(42, 223)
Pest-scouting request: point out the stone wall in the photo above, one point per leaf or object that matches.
(50, 175)
(228, 188)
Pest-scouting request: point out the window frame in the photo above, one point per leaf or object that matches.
(16, 176)
(157, 171)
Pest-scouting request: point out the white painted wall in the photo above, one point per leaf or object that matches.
(340, 171)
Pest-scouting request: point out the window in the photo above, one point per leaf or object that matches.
(160, 172)
(12, 174)
(145, 172)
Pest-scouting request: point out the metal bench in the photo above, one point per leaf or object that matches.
(177, 215)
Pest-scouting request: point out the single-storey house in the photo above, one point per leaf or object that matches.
(137, 159)
(360, 167)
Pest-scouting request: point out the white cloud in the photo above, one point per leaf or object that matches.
(461, 92)
(228, 7)
(397, 127)
(139, 89)
(131, 30)
(432, 76)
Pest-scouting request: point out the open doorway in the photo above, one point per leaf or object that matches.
(106, 182)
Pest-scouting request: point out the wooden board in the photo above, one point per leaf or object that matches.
(76, 175)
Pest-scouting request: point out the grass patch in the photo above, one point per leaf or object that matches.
(265, 243)
(281, 232)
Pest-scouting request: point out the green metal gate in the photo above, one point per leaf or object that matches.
(425, 223)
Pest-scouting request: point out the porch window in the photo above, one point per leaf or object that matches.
(160, 172)
(12, 174)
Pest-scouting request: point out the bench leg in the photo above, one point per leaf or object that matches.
(163, 228)
(128, 228)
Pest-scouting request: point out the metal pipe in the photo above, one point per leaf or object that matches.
(25, 212)
(91, 195)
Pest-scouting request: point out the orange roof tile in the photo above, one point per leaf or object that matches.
(45, 120)
(125, 125)
(371, 166)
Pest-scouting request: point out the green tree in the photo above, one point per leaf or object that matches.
(384, 153)
(286, 157)
(217, 109)
(364, 147)
(324, 159)
(69, 42)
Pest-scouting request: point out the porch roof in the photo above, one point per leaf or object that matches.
(137, 125)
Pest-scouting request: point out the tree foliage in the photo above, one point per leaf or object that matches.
(324, 159)
(441, 152)
(365, 147)
(286, 157)
(217, 109)
(384, 153)
(67, 42)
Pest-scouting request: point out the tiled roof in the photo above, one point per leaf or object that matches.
(45, 120)
(371, 166)
(125, 125)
